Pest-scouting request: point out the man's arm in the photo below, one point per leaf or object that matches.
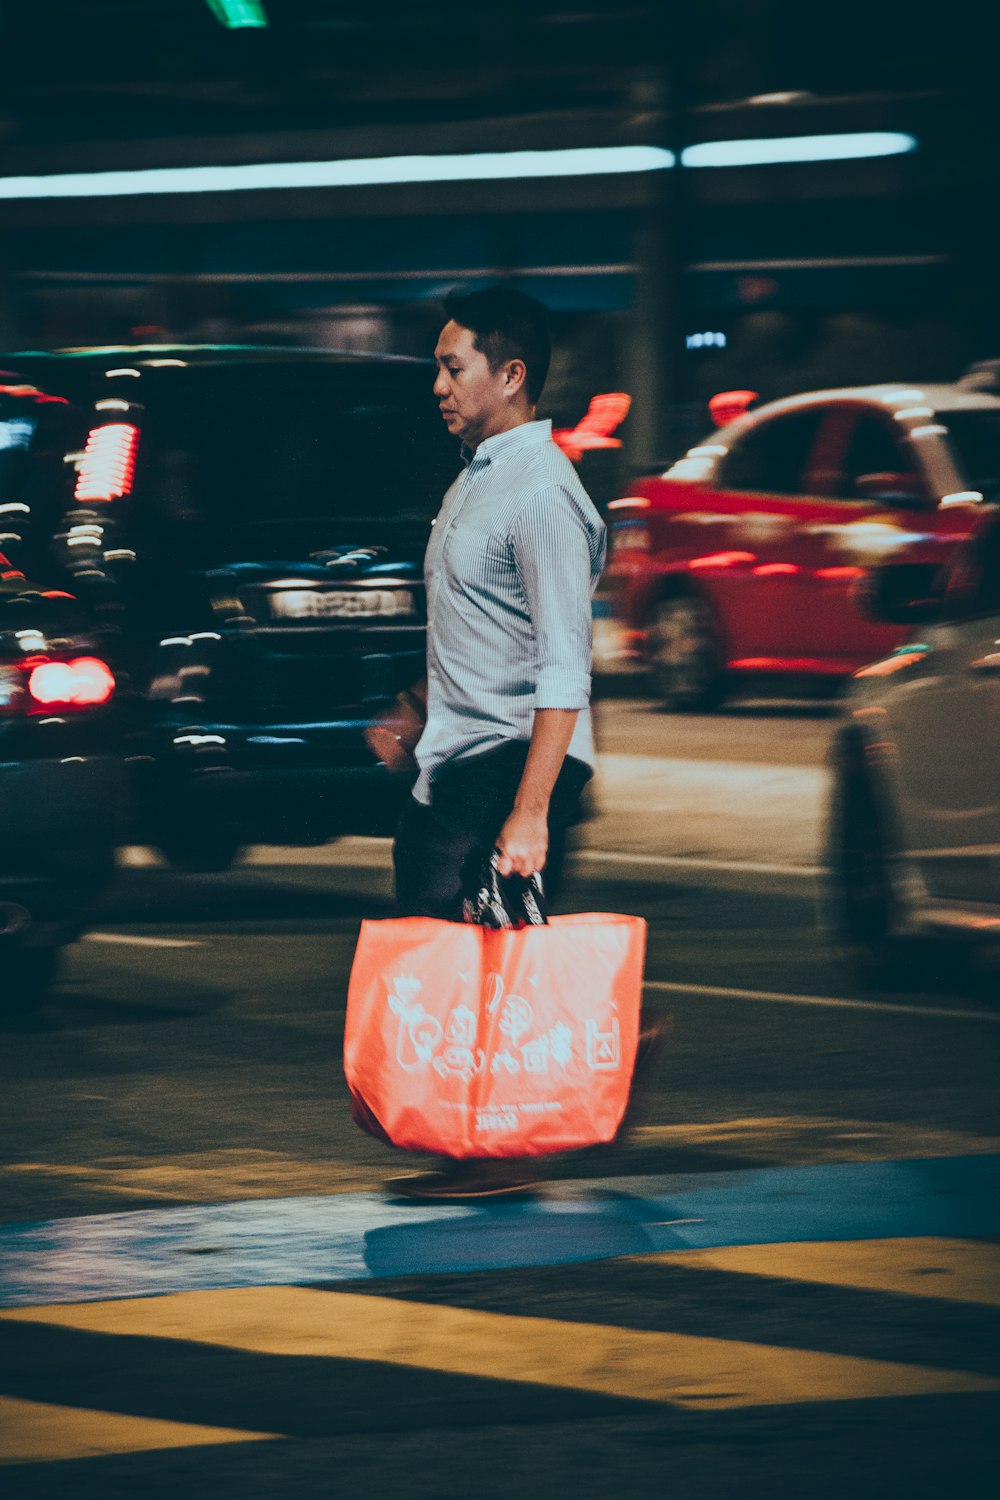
(393, 736)
(524, 839)
(553, 560)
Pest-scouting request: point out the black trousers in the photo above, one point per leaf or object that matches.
(440, 849)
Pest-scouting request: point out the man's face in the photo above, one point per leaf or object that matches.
(474, 400)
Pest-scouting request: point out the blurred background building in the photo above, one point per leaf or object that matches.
(759, 260)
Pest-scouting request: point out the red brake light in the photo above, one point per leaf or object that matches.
(604, 414)
(85, 682)
(8, 574)
(32, 393)
(728, 405)
(108, 463)
(716, 560)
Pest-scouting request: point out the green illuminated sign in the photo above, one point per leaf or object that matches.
(238, 13)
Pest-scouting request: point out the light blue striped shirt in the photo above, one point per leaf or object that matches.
(511, 566)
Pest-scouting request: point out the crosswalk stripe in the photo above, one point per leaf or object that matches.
(952, 1270)
(672, 1369)
(34, 1431)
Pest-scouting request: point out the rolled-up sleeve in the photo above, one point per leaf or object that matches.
(556, 567)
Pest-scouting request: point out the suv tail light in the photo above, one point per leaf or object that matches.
(39, 686)
(108, 463)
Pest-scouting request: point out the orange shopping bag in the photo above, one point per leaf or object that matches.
(469, 1041)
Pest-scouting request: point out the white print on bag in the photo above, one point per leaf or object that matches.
(460, 1062)
(495, 1119)
(535, 1055)
(462, 1026)
(418, 1033)
(555, 1046)
(461, 1058)
(419, 1036)
(604, 1048)
(504, 1062)
(561, 1044)
(516, 1015)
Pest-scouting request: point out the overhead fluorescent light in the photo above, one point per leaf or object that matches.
(363, 172)
(790, 148)
(376, 171)
(783, 96)
(237, 14)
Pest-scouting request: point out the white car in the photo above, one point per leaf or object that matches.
(914, 833)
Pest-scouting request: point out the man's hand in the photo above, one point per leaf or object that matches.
(393, 738)
(524, 838)
(523, 842)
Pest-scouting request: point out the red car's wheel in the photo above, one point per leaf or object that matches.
(685, 655)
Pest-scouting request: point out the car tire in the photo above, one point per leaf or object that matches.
(199, 852)
(25, 977)
(685, 655)
(865, 905)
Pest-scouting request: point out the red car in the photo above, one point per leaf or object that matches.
(744, 559)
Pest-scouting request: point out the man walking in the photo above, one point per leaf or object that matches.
(514, 557)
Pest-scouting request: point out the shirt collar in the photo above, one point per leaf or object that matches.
(525, 435)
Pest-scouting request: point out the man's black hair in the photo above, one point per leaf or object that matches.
(507, 324)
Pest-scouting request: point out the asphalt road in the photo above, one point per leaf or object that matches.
(782, 1279)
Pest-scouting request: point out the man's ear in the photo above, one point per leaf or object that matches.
(515, 374)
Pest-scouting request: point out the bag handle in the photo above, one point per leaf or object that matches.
(506, 900)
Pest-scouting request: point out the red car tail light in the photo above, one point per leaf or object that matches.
(8, 573)
(727, 406)
(85, 682)
(38, 686)
(108, 464)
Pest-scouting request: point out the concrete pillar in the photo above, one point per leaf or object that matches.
(9, 313)
(654, 367)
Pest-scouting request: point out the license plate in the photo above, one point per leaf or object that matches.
(342, 604)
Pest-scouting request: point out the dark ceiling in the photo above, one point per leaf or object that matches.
(96, 70)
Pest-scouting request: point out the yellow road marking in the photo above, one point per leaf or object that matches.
(956, 1270)
(223, 1175)
(669, 1368)
(194, 1177)
(789, 1140)
(34, 1431)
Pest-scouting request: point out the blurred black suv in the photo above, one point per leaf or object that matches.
(248, 525)
(60, 732)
